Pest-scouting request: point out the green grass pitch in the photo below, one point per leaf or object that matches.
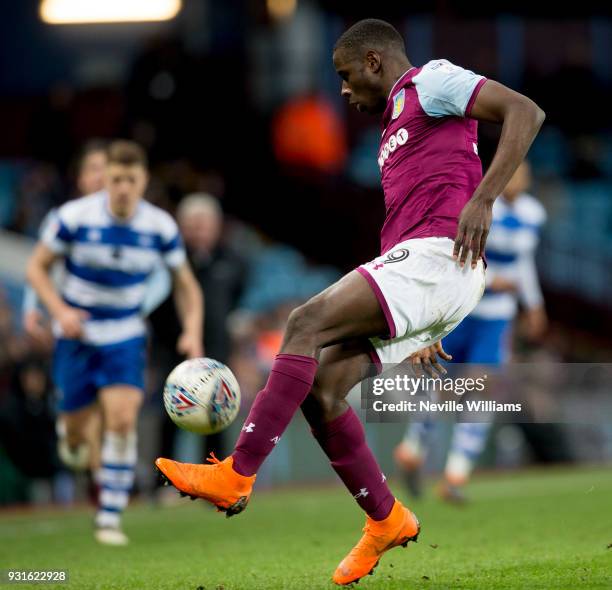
(550, 530)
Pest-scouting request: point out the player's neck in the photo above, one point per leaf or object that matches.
(395, 71)
(122, 215)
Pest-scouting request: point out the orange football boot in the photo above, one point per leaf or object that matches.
(400, 527)
(218, 483)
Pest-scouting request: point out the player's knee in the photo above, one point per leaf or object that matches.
(299, 321)
(75, 435)
(121, 423)
(303, 323)
(122, 427)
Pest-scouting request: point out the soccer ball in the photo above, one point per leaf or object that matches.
(202, 395)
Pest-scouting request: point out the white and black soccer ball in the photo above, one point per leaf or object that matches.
(202, 395)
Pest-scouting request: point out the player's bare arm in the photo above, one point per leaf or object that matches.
(38, 274)
(190, 304)
(521, 119)
(502, 285)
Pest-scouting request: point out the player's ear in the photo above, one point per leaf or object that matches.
(373, 61)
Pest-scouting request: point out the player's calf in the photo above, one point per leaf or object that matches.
(72, 449)
(72, 446)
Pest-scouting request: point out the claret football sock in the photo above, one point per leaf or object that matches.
(343, 441)
(290, 380)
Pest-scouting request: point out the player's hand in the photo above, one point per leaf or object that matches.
(474, 224)
(426, 360)
(35, 328)
(190, 345)
(71, 321)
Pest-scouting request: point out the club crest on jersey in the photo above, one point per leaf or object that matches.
(398, 103)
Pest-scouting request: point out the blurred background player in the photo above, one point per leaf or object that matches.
(90, 169)
(484, 337)
(90, 166)
(221, 272)
(110, 241)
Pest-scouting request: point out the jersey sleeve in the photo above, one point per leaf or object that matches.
(533, 217)
(445, 89)
(530, 292)
(159, 286)
(172, 248)
(56, 232)
(30, 300)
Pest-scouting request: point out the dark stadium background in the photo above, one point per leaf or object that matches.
(231, 99)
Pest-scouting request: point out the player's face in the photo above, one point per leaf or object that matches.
(91, 174)
(361, 81)
(126, 186)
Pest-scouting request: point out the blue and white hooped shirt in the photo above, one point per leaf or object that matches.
(510, 252)
(108, 262)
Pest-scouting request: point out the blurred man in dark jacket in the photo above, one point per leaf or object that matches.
(221, 272)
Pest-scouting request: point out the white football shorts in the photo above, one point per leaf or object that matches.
(423, 293)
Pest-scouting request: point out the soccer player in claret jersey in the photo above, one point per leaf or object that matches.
(410, 297)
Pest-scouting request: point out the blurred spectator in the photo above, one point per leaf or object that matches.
(27, 433)
(27, 425)
(39, 189)
(221, 273)
(13, 346)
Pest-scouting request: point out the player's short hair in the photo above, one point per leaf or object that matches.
(91, 146)
(370, 33)
(195, 203)
(126, 153)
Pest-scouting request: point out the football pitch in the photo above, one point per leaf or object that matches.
(544, 529)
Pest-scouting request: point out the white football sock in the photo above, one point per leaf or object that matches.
(116, 476)
(469, 440)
